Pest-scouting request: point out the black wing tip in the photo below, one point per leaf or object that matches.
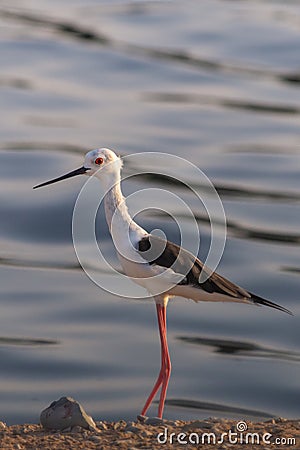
(263, 302)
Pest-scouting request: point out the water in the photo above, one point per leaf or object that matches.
(216, 82)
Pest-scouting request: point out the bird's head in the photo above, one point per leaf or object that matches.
(102, 162)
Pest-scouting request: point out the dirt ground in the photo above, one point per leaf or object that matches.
(209, 434)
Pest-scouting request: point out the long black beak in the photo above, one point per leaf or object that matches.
(79, 171)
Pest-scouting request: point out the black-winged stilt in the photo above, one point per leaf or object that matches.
(163, 268)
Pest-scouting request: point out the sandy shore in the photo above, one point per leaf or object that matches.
(209, 434)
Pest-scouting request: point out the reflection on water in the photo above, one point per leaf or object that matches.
(68, 28)
(26, 341)
(38, 264)
(178, 56)
(217, 408)
(295, 270)
(222, 102)
(238, 348)
(215, 82)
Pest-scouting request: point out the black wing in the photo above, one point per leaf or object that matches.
(166, 254)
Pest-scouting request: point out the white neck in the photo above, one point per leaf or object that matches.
(124, 231)
(119, 221)
(114, 203)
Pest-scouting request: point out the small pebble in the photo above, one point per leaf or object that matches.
(76, 429)
(272, 421)
(155, 421)
(119, 425)
(2, 426)
(133, 429)
(123, 441)
(95, 438)
(146, 433)
(169, 423)
(101, 426)
(198, 424)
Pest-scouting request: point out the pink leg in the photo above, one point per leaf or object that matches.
(167, 365)
(165, 371)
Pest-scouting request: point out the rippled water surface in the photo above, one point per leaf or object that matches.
(215, 82)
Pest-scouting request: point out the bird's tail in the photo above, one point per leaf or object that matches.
(259, 301)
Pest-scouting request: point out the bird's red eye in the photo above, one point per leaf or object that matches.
(99, 161)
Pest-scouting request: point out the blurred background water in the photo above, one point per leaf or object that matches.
(216, 82)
